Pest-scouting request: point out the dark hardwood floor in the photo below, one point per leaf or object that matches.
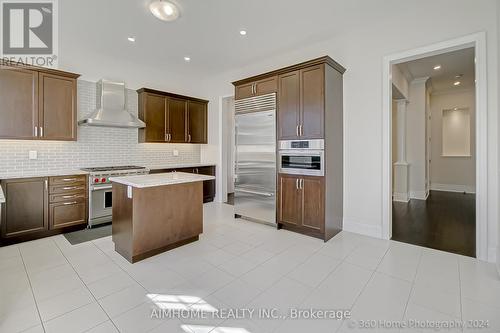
(445, 221)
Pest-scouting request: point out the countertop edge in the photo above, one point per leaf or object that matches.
(43, 174)
(190, 179)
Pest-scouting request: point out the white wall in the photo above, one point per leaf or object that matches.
(361, 48)
(415, 138)
(454, 172)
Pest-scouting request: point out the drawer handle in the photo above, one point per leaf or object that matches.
(70, 203)
(69, 179)
(70, 188)
(69, 196)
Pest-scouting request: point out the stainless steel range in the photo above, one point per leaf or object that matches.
(100, 190)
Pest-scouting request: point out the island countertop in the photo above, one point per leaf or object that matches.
(160, 179)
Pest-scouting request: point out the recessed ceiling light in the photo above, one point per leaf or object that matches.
(187, 59)
(456, 83)
(131, 39)
(243, 32)
(164, 10)
(437, 67)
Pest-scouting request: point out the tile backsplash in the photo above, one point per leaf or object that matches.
(96, 146)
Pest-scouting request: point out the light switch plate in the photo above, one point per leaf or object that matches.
(33, 155)
(176, 152)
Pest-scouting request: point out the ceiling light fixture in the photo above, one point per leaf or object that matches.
(243, 32)
(187, 59)
(164, 10)
(456, 83)
(437, 67)
(131, 39)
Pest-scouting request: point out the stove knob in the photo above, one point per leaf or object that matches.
(96, 180)
(103, 180)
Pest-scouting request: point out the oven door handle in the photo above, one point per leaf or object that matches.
(97, 188)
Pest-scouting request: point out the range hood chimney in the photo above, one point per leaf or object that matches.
(111, 108)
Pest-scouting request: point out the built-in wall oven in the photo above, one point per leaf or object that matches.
(302, 157)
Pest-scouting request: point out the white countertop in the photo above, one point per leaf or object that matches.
(42, 173)
(2, 198)
(160, 179)
(178, 166)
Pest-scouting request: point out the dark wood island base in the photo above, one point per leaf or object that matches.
(155, 219)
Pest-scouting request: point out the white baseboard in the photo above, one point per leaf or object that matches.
(419, 195)
(400, 197)
(372, 230)
(452, 188)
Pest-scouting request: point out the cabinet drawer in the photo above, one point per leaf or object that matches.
(66, 189)
(68, 180)
(67, 197)
(68, 213)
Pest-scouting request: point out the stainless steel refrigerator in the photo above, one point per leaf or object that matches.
(255, 158)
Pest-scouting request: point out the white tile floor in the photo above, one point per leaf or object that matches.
(51, 286)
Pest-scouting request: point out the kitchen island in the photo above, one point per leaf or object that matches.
(156, 212)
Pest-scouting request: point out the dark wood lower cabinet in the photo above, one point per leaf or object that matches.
(25, 210)
(41, 207)
(208, 185)
(68, 213)
(301, 204)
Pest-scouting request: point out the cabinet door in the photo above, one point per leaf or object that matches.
(67, 213)
(177, 119)
(244, 91)
(57, 107)
(266, 86)
(312, 103)
(25, 209)
(197, 115)
(289, 106)
(153, 113)
(313, 211)
(290, 200)
(19, 103)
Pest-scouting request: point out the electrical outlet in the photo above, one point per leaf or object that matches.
(176, 152)
(33, 155)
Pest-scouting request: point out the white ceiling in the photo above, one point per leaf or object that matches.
(452, 64)
(207, 31)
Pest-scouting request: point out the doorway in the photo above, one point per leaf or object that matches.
(426, 197)
(434, 152)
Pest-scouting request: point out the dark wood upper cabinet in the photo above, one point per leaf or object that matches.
(172, 118)
(37, 103)
(289, 106)
(312, 102)
(197, 122)
(26, 208)
(260, 87)
(177, 119)
(57, 107)
(18, 103)
(155, 118)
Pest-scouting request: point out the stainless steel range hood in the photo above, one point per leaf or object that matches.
(111, 108)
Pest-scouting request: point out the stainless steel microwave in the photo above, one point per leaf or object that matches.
(302, 157)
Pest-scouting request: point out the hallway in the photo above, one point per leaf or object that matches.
(445, 221)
